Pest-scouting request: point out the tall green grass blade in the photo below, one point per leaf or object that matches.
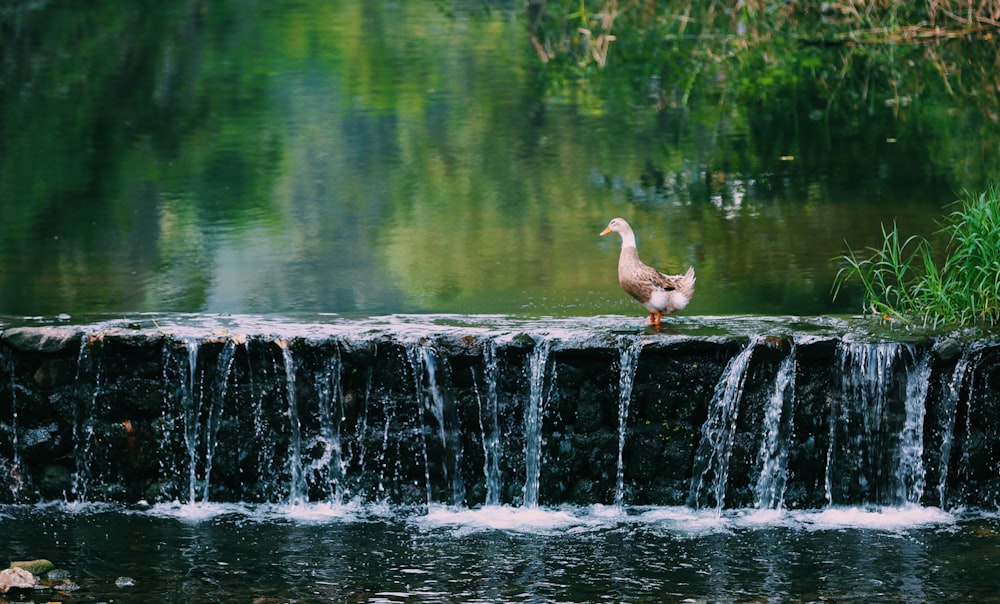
(902, 281)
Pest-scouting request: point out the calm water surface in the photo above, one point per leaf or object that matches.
(233, 554)
(382, 157)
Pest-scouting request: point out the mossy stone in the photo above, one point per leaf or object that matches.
(36, 567)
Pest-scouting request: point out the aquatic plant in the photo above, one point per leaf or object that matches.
(838, 63)
(584, 29)
(903, 281)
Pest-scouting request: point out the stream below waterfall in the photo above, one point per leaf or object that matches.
(359, 553)
(294, 466)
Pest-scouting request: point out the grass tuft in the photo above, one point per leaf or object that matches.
(901, 280)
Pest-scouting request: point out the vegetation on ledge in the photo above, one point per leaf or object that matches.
(903, 280)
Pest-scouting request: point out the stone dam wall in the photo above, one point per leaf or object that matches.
(467, 411)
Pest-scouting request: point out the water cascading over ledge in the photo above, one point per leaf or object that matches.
(467, 411)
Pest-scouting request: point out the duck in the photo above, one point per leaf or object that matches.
(658, 292)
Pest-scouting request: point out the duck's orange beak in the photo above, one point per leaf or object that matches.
(606, 230)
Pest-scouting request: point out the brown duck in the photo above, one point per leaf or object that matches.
(659, 293)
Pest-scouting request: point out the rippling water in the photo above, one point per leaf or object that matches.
(319, 553)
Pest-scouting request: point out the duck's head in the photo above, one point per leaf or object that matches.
(617, 225)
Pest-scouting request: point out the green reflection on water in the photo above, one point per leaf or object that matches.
(379, 157)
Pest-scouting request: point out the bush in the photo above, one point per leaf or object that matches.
(902, 281)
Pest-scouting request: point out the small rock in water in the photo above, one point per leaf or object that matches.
(66, 587)
(125, 582)
(16, 579)
(57, 575)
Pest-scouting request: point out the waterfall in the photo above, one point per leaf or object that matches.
(489, 424)
(910, 472)
(533, 415)
(951, 392)
(191, 406)
(361, 434)
(432, 397)
(83, 424)
(416, 358)
(298, 492)
(854, 455)
(224, 368)
(14, 468)
(201, 401)
(872, 456)
(769, 492)
(261, 447)
(711, 463)
(628, 362)
(331, 465)
(706, 421)
(389, 413)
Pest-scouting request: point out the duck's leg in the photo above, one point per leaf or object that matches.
(652, 318)
(659, 315)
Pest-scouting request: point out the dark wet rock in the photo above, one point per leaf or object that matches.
(948, 349)
(56, 482)
(55, 372)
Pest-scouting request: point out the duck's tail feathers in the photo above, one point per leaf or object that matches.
(688, 279)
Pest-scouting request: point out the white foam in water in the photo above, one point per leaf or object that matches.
(535, 520)
(682, 520)
(881, 519)
(678, 521)
(319, 511)
(78, 507)
(198, 511)
(306, 513)
(685, 521)
(764, 518)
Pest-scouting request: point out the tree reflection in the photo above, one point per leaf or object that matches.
(428, 156)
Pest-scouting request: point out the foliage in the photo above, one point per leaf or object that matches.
(852, 54)
(901, 280)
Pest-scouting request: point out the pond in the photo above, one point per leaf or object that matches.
(217, 553)
(376, 157)
(384, 157)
